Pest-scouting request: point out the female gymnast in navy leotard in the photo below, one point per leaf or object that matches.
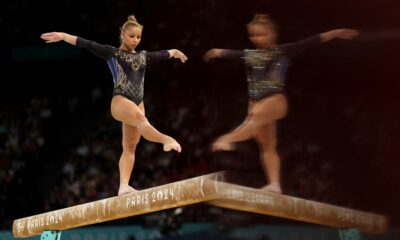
(266, 67)
(128, 69)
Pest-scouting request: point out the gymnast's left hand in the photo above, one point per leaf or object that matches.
(175, 53)
(345, 33)
(52, 37)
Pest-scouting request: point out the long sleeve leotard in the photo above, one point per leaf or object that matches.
(128, 69)
(266, 68)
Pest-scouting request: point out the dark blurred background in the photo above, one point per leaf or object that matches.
(59, 145)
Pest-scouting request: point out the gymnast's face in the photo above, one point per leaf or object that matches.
(131, 37)
(261, 36)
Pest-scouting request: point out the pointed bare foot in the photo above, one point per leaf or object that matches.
(125, 189)
(171, 144)
(273, 187)
(222, 145)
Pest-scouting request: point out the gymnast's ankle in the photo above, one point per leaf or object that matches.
(125, 189)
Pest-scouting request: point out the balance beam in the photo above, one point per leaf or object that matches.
(208, 188)
(190, 191)
(259, 201)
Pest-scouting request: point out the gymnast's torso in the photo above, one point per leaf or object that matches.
(266, 68)
(127, 68)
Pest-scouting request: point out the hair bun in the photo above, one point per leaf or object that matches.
(132, 18)
(261, 17)
(131, 22)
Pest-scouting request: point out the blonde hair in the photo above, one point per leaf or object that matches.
(263, 19)
(131, 22)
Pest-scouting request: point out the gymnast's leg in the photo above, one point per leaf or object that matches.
(270, 161)
(262, 113)
(124, 110)
(130, 139)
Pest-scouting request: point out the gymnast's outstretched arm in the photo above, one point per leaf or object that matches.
(59, 36)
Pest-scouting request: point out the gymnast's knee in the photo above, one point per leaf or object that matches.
(141, 120)
(254, 123)
(129, 146)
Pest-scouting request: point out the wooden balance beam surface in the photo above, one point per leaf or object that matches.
(259, 201)
(194, 190)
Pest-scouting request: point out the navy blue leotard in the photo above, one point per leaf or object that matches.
(128, 69)
(266, 69)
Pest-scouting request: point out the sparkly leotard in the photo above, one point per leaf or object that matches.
(266, 69)
(128, 69)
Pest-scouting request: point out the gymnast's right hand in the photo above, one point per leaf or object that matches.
(175, 53)
(52, 37)
(211, 54)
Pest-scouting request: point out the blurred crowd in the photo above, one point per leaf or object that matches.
(22, 133)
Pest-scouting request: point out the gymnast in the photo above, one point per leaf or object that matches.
(266, 67)
(128, 69)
